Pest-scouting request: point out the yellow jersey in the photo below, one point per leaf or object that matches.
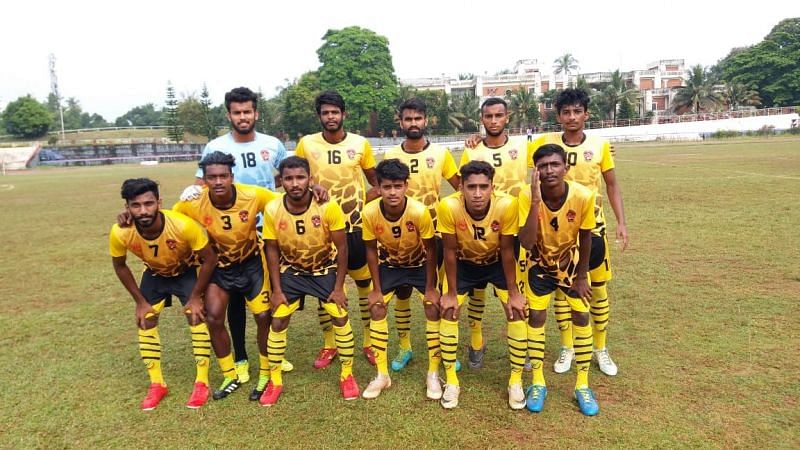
(510, 162)
(399, 241)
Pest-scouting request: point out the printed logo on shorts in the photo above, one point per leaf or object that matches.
(588, 155)
(244, 215)
(410, 226)
(495, 226)
(430, 162)
(316, 221)
(265, 154)
(172, 244)
(571, 216)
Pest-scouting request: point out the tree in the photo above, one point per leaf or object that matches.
(357, 63)
(140, 116)
(626, 110)
(171, 118)
(209, 126)
(523, 107)
(772, 67)
(610, 97)
(299, 115)
(737, 95)
(565, 63)
(464, 112)
(192, 116)
(27, 118)
(697, 92)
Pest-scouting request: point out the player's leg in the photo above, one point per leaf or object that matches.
(359, 271)
(182, 287)
(475, 308)
(433, 386)
(538, 292)
(582, 332)
(563, 315)
(237, 323)
(402, 317)
(276, 345)
(328, 351)
(216, 301)
(600, 274)
(379, 331)
(448, 342)
(152, 288)
(256, 292)
(517, 341)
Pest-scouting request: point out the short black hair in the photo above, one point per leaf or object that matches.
(477, 168)
(414, 104)
(217, 157)
(547, 150)
(392, 169)
(491, 101)
(241, 95)
(134, 187)
(329, 98)
(572, 96)
(293, 162)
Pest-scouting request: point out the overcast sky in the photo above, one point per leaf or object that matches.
(113, 56)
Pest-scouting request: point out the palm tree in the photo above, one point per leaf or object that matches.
(523, 107)
(612, 95)
(696, 93)
(565, 63)
(740, 94)
(464, 112)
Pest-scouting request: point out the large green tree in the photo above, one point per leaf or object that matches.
(465, 112)
(140, 116)
(611, 96)
(27, 118)
(523, 107)
(357, 63)
(772, 67)
(191, 115)
(299, 115)
(737, 95)
(696, 93)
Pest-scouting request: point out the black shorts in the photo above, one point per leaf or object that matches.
(543, 283)
(393, 278)
(598, 255)
(472, 276)
(356, 250)
(156, 288)
(246, 277)
(295, 286)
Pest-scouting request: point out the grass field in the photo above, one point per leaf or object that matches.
(704, 328)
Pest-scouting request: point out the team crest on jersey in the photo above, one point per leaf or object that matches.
(315, 154)
(172, 244)
(136, 247)
(265, 154)
(316, 221)
(495, 226)
(244, 215)
(207, 221)
(588, 155)
(430, 162)
(351, 153)
(513, 153)
(410, 226)
(378, 229)
(282, 225)
(462, 225)
(571, 216)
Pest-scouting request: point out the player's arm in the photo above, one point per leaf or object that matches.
(195, 304)
(581, 284)
(337, 296)
(615, 198)
(126, 278)
(529, 204)
(375, 297)
(273, 267)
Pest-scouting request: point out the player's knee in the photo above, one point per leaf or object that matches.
(279, 324)
(215, 320)
(537, 317)
(363, 283)
(599, 294)
(262, 318)
(339, 321)
(150, 322)
(431, 311)
(378, 311)
(580, 318)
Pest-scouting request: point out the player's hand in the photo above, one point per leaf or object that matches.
(195, 310)
(516, 306)
(276, 300)
(338, 297)
(320, 194)
(124, 219)
(536, 188)
(472, 141)
(374, 298)
(191, 192)
(447, 302)
(432, 296)
(622, 234)
(582, 288)
(143, 312)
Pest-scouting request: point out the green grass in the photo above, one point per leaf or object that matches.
(704, 327)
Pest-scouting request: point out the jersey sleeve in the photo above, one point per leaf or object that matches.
(368, 161)
(367, 227)
(444, 222)
(300, 150)
(588, 221)
(195, 234)
(524, 204)
(464, 157)
(206, 151)
(334, 216)
(532, 146)
(115, 245)
(511, 218)
(264, 196)
(607, 161)
(449, 167)
(281, 154)
(426, 225)
(268, 231)
(181, 207)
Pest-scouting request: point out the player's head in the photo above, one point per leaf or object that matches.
(392, 177)
(572, 108)
(295, 175)
(476, 185)
(330, 109)
(242, 106)
(494, 116)
(141, 200)
(551, 163)
(413, 118)
(218, 173)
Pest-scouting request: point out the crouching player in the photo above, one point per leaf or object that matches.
(401, 252)
(557, 218)
(306, 255)
(168, 244)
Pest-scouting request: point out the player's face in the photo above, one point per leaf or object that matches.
(494, 119)
(393, 192)
(573, 117)
(295, 182)
(413, 123)
(331, 118)
(219, 179)
(477, 192)
(551, 170)
(144, 209)
(243, 117)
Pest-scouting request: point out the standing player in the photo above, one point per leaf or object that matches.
(306, 245)
(228, 211)
(591, 164)
(401, 252)
(478, 228)
(429, 164)
(256, 155)
(339, 161)
(557, 218)
(510, 157)
(167, 243)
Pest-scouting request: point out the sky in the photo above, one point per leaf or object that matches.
(113, 56)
